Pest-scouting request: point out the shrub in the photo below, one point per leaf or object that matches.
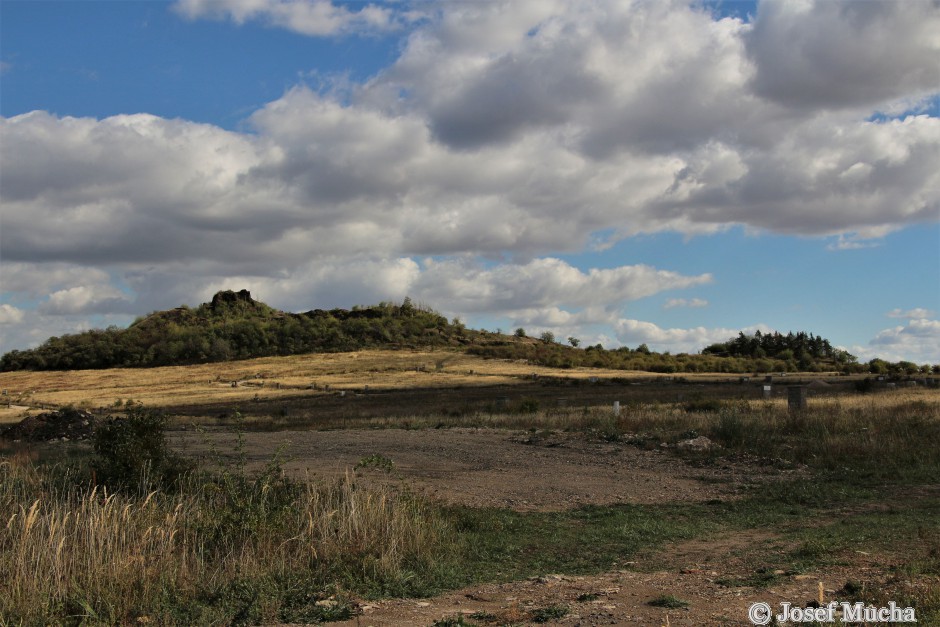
(668, 601)
(132, 451)
(526, 406)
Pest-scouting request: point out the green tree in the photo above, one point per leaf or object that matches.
(878, 366)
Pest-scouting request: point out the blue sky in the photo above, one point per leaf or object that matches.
(665, 173)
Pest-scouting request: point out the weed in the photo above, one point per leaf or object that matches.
(486, 617)
(527, 406)
(668, 601)
(545, 614)
(703, 405)
(377, 461)
(453, 621)
(852, 589)
(609, 431)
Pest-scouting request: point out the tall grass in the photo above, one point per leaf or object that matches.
(259, 548)
(233, 547)
(889, 436)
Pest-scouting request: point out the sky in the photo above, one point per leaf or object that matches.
(623, 172)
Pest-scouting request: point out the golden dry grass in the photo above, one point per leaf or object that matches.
(67, 550)
(653, 416)
(273, 377)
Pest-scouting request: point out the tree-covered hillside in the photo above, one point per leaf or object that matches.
(235, 326)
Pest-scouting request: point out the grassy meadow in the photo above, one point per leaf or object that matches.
(278, 377)
(223, 545)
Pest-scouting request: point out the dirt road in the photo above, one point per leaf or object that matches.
(489, 467)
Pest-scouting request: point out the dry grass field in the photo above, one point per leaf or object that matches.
(302, 504)
(273, 377)
(270, 379)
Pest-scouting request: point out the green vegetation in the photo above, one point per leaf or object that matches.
(221, 548)
(234, 326)
(379, 462)
(232, 547)
(132, 450)
(802, 348)
(555, 355)
(669, 602)
(546, 614)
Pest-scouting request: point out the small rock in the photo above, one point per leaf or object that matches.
(701, 443)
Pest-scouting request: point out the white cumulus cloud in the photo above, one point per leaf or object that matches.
(911, 314)
(917, 341)
(10, 314)
(85, 299)
(511, 131)
(634, 332)
(308, 17)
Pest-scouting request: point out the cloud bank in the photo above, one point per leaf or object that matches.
(504, 135)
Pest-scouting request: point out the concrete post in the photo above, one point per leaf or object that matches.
(796, 398)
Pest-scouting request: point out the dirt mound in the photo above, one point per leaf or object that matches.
(68, 423)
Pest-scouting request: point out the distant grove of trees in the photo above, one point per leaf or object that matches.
(234, 326)
(802, 348)
(745, 354)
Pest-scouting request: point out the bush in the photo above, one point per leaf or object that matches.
(132, 451)
(526, 406)
(704, 405)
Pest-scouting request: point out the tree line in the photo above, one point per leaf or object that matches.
(746, 354)
(233, 326)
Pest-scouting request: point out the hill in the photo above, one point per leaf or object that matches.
(235, 326)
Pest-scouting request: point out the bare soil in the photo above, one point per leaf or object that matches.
(693, 575)
(490, 467)
(554, 471)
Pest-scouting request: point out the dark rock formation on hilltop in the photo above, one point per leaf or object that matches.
(228, 300)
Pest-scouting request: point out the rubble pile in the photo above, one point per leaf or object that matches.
(62, 424)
